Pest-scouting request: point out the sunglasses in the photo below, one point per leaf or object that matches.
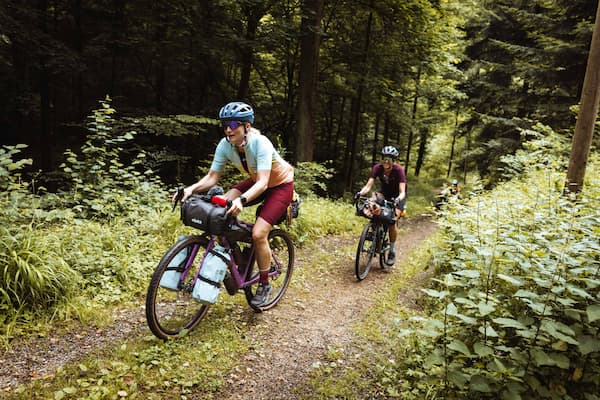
(388, 159)
(231, 124)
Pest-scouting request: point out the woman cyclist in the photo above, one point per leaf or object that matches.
(271, 181)
(393, 188)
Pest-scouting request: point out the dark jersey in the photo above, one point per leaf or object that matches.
(389, 183)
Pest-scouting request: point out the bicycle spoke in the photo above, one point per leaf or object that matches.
(171, 310)
(282, 265)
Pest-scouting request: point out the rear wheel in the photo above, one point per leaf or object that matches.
(282, 266)
(365, 252)
(172, 312)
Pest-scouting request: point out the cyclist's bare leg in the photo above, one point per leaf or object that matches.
(260, 238)
(393, 233)
(260, 235)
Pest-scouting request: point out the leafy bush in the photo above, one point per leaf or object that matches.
(103, 184)
(520, 292)
(311, 178)
(49, 259)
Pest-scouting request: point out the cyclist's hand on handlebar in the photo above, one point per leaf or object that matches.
(181, 195)
(399, 199)
(235, 206)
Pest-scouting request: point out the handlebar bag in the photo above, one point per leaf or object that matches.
(386, 216)
(198, 212)
(376, 212)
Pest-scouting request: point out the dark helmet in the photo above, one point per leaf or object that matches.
(237, 111)
(390, 151)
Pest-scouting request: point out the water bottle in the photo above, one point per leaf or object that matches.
(171, 276)
(207, 286)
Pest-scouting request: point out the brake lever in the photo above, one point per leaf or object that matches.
(178, 197)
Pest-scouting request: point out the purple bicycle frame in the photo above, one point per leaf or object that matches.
(239, 278)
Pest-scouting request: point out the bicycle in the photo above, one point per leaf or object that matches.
(374, 239)
(171, 309)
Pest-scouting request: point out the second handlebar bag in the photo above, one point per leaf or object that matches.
(198, 212)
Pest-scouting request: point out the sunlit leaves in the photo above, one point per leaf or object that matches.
(519, 292)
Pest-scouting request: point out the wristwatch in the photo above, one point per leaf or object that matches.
(244, 200)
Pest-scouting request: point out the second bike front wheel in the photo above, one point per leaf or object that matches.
(384, 253)
(365, 252)
(282, 267)
(172, 312)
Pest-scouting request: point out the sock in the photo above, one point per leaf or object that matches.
(264, 277)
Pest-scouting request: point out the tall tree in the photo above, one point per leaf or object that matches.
(254, 11)
(310, 40)
(584, 128)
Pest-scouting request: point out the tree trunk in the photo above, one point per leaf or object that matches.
(254, 15)
(422, 149)
(414, 120)
(584, 128)
(44, 145)
(454, 134)
(310, 30)
(160, 62)
(338, 133)
(353, 139)
(375, 151)
(357, 106)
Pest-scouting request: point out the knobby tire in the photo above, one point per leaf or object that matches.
(365, 251)
(282, 260)
(172, 313)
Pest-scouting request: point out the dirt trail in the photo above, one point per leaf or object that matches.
(323, 321)
(315, 316)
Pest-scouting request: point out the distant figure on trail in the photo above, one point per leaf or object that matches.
(451, 191)
(271, 181)
(393, 188)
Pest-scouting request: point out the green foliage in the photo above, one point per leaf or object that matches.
(312, 177)
(175, 125)
(34, 274)
(104, 185)
(518, 301)
(320, 217)
(52, 264)
(542, 148)
(9, 168)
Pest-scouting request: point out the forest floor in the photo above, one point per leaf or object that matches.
(317, 315)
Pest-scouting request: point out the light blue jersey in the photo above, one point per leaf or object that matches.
(260, 155)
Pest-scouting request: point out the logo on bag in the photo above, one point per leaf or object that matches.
(197, 221)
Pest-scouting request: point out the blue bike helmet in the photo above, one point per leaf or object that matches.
(237, 111)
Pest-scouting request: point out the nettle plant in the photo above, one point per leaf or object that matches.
(103, 184)
(520, 297)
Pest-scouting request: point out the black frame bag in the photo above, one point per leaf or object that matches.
(198, 212)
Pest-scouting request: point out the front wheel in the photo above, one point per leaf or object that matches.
(365, 252)
(386, 246)
(282, 266)
(170, 309)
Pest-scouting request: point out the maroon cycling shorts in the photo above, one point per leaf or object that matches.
(275, 200)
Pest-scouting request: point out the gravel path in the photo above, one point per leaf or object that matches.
(323, 321)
